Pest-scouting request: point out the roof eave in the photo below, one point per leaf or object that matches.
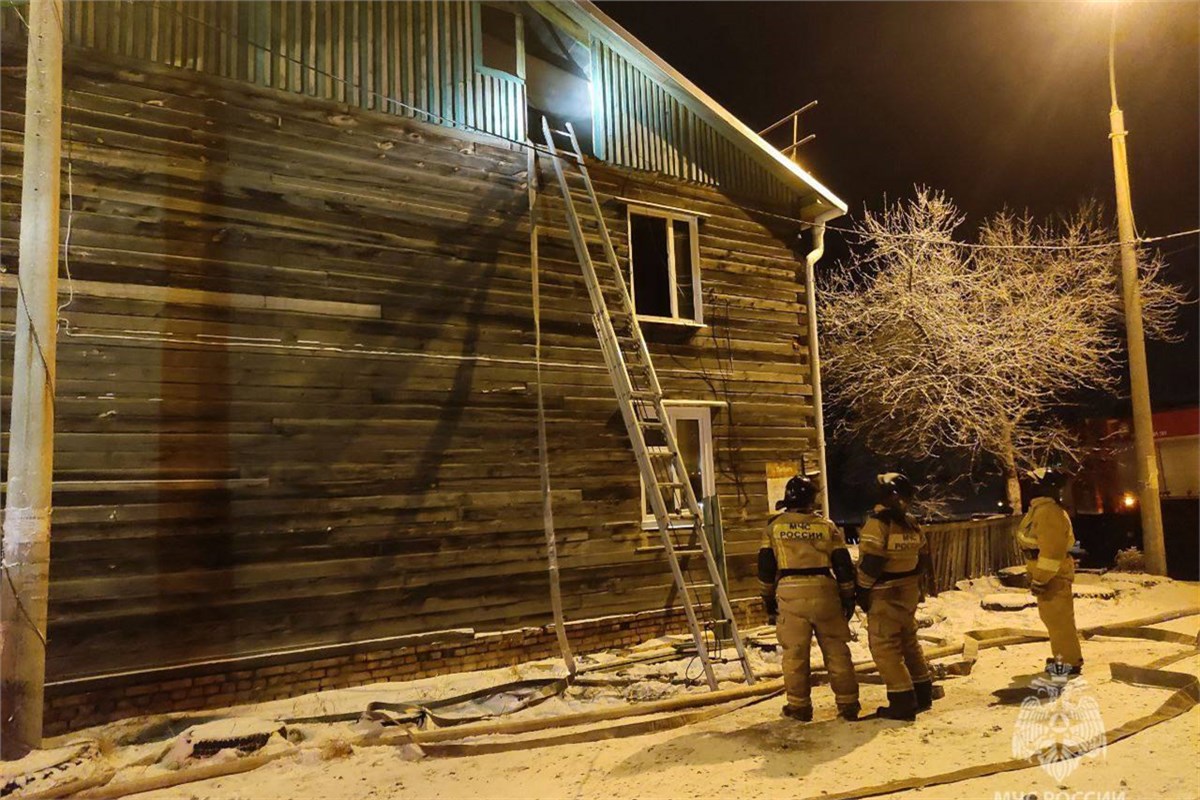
(826, 202)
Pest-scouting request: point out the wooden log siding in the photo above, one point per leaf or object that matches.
(355, 429)
(972, 548)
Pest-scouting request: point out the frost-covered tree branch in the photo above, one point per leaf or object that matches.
(935, 348)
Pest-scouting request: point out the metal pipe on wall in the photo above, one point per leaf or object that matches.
(814, 345)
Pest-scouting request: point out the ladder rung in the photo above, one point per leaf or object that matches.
(561, 133)
(689, 551)
(660, 452)
(638, 394)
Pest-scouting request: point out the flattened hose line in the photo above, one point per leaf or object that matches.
(419, 713)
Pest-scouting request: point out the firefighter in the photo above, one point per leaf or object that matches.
(807, 578)
(893, 562)
(1045, 537)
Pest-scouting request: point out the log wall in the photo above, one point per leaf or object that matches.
(419, 59)
(295, 398)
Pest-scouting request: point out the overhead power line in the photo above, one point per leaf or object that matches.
(981, 246)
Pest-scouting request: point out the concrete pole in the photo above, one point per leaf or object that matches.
(1153, 544)
(26, 533)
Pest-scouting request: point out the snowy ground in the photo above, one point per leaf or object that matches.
(753, 752)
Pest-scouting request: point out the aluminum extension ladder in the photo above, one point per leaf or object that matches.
(641, 401)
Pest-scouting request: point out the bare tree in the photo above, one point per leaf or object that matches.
(935, 346)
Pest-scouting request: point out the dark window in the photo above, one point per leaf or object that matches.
(662, 253)
(499, 36)
(651, 267)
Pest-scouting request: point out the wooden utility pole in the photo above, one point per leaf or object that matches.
(24, 584)
(1153, 544)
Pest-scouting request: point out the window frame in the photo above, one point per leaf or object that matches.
(703, 414)
(477, 43)
(669, 218)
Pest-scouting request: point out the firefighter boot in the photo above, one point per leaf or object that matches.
(901, 706)
(798, 713)
(924, 693)
(1057, 669)
(849, 711)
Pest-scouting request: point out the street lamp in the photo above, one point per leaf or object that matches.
(1143, 424)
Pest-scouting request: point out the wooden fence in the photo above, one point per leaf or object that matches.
(971, 548)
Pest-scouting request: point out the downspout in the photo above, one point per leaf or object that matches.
(814, 344)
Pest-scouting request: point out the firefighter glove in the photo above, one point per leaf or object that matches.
(863, 595)
(848, 607)
(771, 604)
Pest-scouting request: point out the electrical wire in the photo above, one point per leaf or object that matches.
(977, 246)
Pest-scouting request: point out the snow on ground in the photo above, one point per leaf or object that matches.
(754, 752)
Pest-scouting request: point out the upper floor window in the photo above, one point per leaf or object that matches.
(664, 258)
(499, 41)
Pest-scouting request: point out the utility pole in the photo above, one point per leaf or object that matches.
(1153, 544)
(24, 586)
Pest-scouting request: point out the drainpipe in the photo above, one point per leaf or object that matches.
(814, 345)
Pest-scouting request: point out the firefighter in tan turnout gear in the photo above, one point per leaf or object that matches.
(893, 561)
(807, 580)
(1045, 536)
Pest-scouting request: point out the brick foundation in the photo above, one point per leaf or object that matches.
(71, 705)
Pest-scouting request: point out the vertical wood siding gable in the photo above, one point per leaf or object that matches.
(413, 59)
(642, 125)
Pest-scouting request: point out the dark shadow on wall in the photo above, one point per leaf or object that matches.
(196, 388)
(463, 288)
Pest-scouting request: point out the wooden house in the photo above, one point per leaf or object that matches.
(296, 422)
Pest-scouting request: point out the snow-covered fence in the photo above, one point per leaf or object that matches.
(971, 548)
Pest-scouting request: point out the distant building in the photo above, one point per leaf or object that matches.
(1108, 483)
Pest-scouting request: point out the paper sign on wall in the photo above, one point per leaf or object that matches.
(778, 474)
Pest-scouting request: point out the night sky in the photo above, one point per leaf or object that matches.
(1000, 104)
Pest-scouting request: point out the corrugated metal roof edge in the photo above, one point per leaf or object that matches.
(778, 160)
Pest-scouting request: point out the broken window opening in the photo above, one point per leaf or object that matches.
(664, 256)
(558, 85)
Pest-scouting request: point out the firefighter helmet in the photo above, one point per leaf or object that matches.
(799, 493)
(894, 484)
(1047, 480)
